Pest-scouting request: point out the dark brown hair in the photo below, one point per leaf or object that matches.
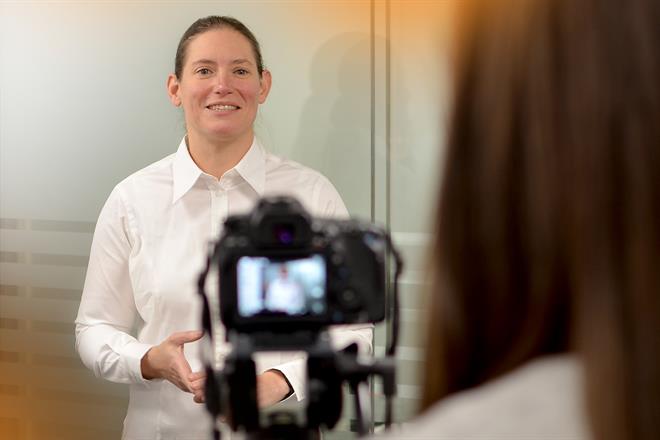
(548, 225)
(210, 23)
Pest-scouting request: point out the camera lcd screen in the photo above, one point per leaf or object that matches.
(270, 287)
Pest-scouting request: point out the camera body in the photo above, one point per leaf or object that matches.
(283, 272)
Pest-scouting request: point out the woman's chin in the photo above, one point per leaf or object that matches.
(226, 136)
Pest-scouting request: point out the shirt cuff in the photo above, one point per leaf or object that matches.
(133, 353)
(295, 372)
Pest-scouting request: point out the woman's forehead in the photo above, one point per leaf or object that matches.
(226, 45)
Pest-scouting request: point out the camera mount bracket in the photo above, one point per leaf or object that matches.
(231, 393)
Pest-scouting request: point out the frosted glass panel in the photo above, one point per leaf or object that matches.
(418, 99)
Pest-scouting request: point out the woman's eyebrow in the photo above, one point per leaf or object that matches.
(214, 63)
(241, 61)
(204, 61)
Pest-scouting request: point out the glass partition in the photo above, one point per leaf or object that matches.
(416, 96)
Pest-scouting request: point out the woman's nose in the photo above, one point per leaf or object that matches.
(222, 83)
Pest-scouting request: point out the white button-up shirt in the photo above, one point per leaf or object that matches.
(149, 247)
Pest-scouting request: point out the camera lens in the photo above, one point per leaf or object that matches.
(283, 233)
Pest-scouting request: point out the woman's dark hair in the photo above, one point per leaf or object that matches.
(210, 23)
(548, 224)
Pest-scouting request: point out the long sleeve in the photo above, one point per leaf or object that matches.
(107, 308)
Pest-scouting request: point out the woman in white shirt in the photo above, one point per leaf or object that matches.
(151, 239)
(285, 294)
(545, 314)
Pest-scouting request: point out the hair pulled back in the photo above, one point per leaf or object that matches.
(209, 23)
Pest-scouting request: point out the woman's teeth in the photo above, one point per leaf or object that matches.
(222, 107)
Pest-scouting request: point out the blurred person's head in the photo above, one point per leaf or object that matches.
(548, 226)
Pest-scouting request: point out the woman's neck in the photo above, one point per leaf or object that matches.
(216, 158)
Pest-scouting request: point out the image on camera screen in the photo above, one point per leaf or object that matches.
(291, 287)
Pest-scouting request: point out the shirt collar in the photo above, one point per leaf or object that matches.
(185, 171)
(252, 168)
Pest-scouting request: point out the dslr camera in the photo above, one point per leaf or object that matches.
(283, 279)
(283, 271)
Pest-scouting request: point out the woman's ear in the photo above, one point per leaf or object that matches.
(265, 82)
(173, 90)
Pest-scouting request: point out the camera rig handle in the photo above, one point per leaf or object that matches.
(356, 372)
(231, 393)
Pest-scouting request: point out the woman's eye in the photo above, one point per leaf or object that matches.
(241, 72)
(204, 71)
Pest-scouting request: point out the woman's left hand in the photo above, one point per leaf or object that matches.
(272, 387)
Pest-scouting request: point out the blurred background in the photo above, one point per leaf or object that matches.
(359, 93)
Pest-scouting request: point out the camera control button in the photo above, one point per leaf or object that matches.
(349, 298)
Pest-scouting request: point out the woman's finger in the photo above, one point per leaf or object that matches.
(181, 338)
(197, 384)
(195, 376)
(199, 397)
(183, 386)
(181, 369)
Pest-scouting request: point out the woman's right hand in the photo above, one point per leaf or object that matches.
(166, 360)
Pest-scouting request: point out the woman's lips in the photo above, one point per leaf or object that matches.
(222, 107)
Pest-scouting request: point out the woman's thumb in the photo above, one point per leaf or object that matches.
(181, 338)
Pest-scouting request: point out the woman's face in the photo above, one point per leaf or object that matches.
(220, 88)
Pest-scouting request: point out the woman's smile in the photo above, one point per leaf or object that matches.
(222, 108)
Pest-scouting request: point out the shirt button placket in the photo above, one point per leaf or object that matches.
(217, 206)
(223, 208)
